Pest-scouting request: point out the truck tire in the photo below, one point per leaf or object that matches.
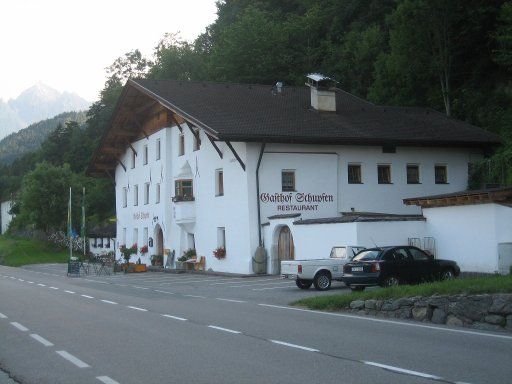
(322, 281)
(303, 284)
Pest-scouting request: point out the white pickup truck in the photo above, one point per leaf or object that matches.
(319, 272)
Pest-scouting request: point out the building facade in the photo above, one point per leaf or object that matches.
(204, 166)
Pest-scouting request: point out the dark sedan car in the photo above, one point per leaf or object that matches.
(390, 266)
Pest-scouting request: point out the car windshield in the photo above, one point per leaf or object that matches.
(367, 255)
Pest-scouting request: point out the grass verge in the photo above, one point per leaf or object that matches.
(17, 251)
(473, 285)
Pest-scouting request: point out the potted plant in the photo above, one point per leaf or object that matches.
(157, 260)
(219, 253)
(127, 254)
(187, 255)
(144, 249)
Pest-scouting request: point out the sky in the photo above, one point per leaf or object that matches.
(67, 44)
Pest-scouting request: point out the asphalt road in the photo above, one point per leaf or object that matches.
(157, 328)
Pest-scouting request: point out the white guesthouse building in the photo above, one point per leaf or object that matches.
(209, 165)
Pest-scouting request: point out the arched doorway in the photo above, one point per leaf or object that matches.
(285, 248)
(159, 240)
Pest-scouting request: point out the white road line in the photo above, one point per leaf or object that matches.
(19, 326)
(30, 282)
(231, 300)
(72, 359)
(109, 302)
(136, 286)
(21, 280)
(400, 323)
(42, 340)
(253, 285)
(54, 288)
(69, 291)
(106, 380)
(169, 293)
(223, 329)
(2, 316)
(175, 317)
(121, 285)
(87, 296)
(137, 308)
(41, 285)
(230, 281)
(401, 370)
(294, 346)
(264, 289)
(196, 296)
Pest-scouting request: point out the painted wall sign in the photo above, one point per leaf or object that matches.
(296, 201)
(140, 215)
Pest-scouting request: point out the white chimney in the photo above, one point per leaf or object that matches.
(323, 95)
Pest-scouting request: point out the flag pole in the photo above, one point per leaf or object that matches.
(70, 235)
(83, 217)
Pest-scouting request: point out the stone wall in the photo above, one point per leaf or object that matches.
(486, 312)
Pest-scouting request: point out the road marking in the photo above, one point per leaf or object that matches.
(87, 296)
(196, 296)
(401, 370)
(253, 285)
(21, 280)
(294, 346)
(30, 282)
(69, 291)
(400, 323)
(223, 329)
(121, 285)
(106, 380)
(42, 340)
(72, 359)
(175, 317)
(137, 308)
(136, 286)
(2, 316)
(109, 302)
(54, 288)
(264, 289)
(231, 282)
(41, 285)
(19, 326)
(231, 300)
(169, 293)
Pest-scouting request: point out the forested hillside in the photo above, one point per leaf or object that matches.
(454, 56)
(30, 138)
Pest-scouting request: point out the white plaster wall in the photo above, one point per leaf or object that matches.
(5, 216)
(388, 233)
(503, 215)
(144, 215)
(467, 234)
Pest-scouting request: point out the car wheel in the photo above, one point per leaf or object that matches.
(357, 288)
(447, 274)
(303, 284)
(322, 281)
(390, 281)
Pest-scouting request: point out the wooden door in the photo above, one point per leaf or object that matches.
(285, 246)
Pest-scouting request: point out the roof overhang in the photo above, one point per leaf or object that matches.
(498, 196)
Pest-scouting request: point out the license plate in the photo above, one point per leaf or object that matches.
(357, 269)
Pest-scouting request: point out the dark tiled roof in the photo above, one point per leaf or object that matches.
(241, 112)
(491, 195)
(284, 216)
(361, 218)
(108, 230)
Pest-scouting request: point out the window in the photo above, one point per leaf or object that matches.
(219, 182)
(384, 174)
(145, 236)
(95, 242)
(221, 237)
(441, 174)
(197, 140)
(288, 181)
(183, 190)
(146, 193)
(417, 254)
(133, 159)
(354, 174)
(100, 244)
(107, 244)
(123, 237)
(158, 149)
(413, 174)
(181, 149)
(145, 154)
(125, 197)
(135, 239)
(135, 195)
(157, 193)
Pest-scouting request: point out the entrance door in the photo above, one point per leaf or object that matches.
(159, 241)
(285, 246)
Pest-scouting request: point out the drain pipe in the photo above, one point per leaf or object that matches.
(258, 192)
